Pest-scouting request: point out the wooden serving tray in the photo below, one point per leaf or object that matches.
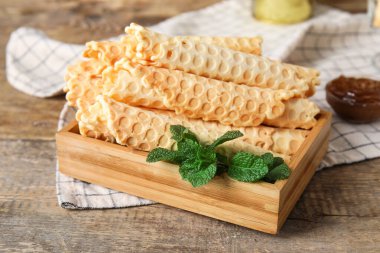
(261, 206)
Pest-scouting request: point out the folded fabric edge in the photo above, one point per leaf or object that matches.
(62, 121)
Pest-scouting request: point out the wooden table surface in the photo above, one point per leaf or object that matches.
(338, 212)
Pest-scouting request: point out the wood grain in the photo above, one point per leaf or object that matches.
(261, 206)
(338, 212)
(74, 22)
(327, 218)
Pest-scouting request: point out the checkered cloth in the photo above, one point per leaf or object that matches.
(333, 41)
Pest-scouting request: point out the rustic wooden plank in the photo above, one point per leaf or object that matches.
(102, 18)
(339, 210)
(22, 116)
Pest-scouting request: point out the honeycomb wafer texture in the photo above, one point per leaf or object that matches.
(145, 129)
(249, 45)
(205, 98)
(126, 85)
(214, 100)
(83, 85)
(87, 79)
(299, 113)
(108, 52)
(83, 80)
(91, 121)
(219, 63)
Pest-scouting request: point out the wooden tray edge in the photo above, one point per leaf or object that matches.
(280, 190)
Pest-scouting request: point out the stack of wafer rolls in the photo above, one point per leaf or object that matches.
(132, 90)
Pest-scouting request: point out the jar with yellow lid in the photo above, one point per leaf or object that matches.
(282, 11)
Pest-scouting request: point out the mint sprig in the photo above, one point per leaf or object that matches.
(180, 133)
(247, 167)
(277, 173)
(197, 172)
(199, 163)
(162, 154)
(228, 136)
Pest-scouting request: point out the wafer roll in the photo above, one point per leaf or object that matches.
(83, 85)
(126, 85)
(299, 113)
(146, 129)
(86, 115)
(214, 100)
(205, 98)
(219, 63)
(110, 52)
(249, 45)
(83, 80)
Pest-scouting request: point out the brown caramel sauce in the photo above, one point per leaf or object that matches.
(354, 99)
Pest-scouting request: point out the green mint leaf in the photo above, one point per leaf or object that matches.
(162, 154)
(277, 161)
(180, 133)
(268, 159)
(206, 154)
(189, 166)
(188, 148)
(228, 136)
(221, 163)
(197, 172)
(247, 167)
(200, 168)
(280, 172)
(271, 161)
